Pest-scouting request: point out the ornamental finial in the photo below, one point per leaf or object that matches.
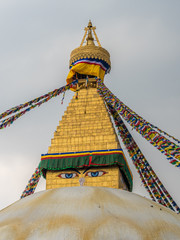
(89, 39)
(88, 32)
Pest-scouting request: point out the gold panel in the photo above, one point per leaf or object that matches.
(102, 177)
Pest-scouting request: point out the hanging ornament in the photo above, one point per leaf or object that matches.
(86, 84)
(76, 95)
(63, 98)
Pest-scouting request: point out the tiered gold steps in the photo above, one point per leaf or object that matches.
(85, 126)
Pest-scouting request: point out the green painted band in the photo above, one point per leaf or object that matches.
(96, 161)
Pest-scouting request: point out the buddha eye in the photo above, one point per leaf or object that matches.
(67, 175)
(95, 174)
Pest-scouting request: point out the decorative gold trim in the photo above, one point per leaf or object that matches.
(84, 37)
(93, 28)
(90, 51)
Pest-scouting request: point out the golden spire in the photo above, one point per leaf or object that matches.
(90, 39)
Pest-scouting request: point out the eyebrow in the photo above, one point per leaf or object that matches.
(72, 169)
(87, 169)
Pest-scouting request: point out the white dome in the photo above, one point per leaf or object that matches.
(88, 213)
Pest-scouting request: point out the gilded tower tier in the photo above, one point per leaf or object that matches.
(85, 126)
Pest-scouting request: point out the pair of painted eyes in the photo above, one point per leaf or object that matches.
(89, 174)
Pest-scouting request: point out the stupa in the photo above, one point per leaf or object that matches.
(88, 181)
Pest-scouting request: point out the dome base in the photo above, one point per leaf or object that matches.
(88, 213)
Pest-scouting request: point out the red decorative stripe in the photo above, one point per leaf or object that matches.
(90, 160)
(80, 155)
(69, 156)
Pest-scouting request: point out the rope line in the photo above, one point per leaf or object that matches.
(37, 102)
(164, 145)
(151, 182)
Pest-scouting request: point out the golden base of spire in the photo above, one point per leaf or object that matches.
(85, 126)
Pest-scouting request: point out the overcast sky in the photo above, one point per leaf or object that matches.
(36, 40)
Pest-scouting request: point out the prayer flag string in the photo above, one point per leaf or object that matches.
(32, 104)
(164, 145)
(152, 183)
(32, 184)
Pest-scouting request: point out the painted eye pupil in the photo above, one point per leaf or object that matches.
(68, 175)
(94, 174)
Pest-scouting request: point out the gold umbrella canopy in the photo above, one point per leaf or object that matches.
(89, 59)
